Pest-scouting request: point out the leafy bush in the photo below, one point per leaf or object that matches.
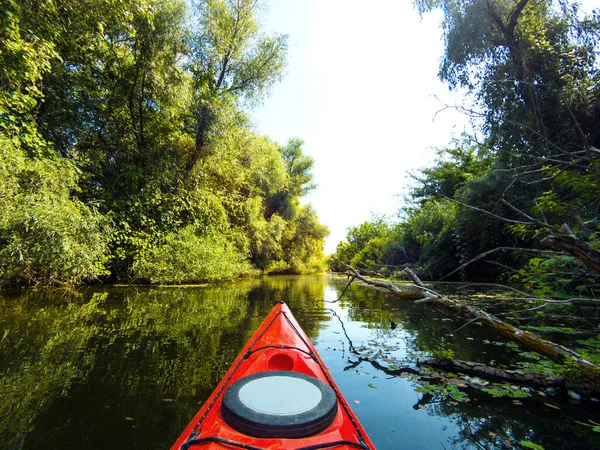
(186, 256)
(46, 236)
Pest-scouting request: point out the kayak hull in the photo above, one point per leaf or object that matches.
(278, 345)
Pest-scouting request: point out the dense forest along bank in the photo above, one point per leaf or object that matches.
(127, 367)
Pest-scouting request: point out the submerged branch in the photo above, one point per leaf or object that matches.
(510, 376)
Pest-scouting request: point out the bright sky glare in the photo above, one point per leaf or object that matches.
(360, 89)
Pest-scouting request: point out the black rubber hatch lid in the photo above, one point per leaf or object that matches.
(279, 404)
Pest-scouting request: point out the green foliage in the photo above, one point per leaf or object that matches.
(432, 226)
(441, 349)
(444, 391)
(363, 246)
(444, 353)
(505, 390)
(186, 257)
(229, 52)
(24, 59)
(532, 445)
(569, 368)
(532, 362)
(298, 166)
(135, 121)
(590, 349)
(303, 243)
(455, 166)
(46, 236)
(548, 277)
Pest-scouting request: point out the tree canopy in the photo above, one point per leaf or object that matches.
(126, 150)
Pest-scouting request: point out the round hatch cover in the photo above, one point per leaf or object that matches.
(279, 404)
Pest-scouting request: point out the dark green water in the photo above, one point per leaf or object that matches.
(127, 368)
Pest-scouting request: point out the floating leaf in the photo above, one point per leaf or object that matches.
(529, 444)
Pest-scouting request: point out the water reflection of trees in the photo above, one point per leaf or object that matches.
(127, 368)
(504, 425)
(75, 366)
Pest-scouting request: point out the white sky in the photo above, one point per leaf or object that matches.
(360, 90)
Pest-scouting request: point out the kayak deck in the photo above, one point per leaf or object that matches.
(278, 346)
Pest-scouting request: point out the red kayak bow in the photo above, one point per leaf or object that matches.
(276, 395)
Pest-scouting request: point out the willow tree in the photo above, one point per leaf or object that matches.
(531, 66)
(231, 62)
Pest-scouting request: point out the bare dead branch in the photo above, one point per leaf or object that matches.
(406, 295)
(535, 221)
(496, 216)
(484, 254)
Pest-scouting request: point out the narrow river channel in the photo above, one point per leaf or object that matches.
(128, 367)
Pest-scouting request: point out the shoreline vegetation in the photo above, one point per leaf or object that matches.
(513, 204)
(515, 200)
(126, 153)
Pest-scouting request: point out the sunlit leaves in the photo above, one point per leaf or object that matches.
(191, 257)
(229, 53)
(46, 236)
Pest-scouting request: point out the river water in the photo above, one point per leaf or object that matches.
(128, 367)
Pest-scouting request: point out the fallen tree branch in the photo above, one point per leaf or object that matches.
(413, 294)
(589, 372)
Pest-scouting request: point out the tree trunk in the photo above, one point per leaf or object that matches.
(206, 118)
